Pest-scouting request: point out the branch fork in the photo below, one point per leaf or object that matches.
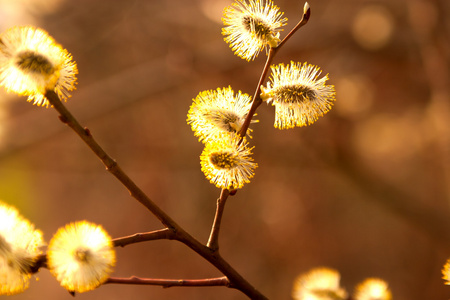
(172, 230)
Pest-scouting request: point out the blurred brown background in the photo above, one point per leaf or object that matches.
(365, 190)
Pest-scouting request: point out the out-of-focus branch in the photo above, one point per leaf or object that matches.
(433, 44)
(433, 223)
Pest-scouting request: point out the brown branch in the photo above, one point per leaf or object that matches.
(166, 283)
(173, 230)
(256, 97)
(236, 280)
(144, 237)
(213, 242)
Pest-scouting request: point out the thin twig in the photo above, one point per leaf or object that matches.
(257, 101)
(166, 283)
(41, 261)
(213, 242)
(303, 21)
(256, 97)
(144, 237)
(272, 52)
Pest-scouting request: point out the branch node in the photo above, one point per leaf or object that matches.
(63, 119)
(111, 165)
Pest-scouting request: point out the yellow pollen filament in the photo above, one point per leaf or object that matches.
(24, 265)
(34, 62)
